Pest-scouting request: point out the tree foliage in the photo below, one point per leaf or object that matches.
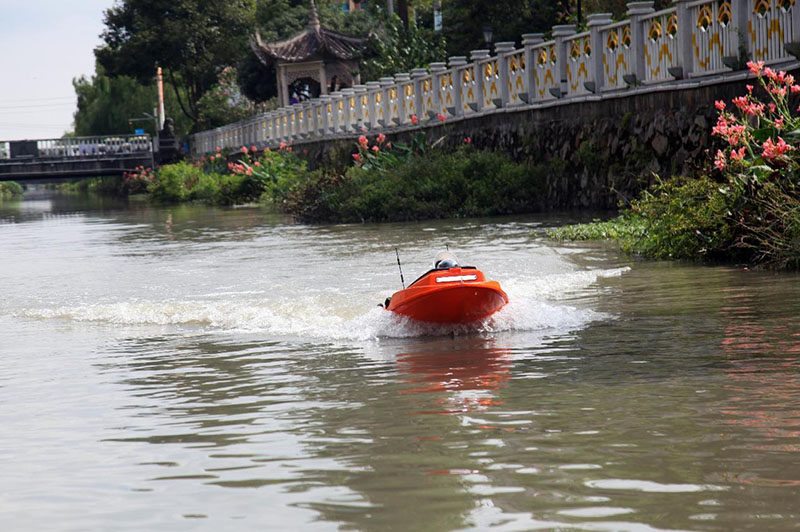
(106, 104)
(190, 39)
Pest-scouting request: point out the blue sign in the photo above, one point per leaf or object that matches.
(138, 131)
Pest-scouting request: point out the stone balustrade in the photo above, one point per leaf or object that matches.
(691, 40)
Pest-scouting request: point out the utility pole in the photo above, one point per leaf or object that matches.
(160, 84)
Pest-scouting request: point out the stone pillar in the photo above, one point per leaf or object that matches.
(417, 74)
(795, 37)
(308, 109)
(373, 88)
(336, 99)
(327, 120)
(349, 118)
(595, 23)
(739, 12)
(455, 63)
(402, 114)
(502, 49)
(559, 34)
(636, 10)
(284, 86)
(386, 85)
(476, 56)
(684, 36)
(323, 79)
(360, 120)
(529, 40)
(436, 80)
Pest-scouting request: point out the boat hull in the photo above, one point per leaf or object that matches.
(457, 302)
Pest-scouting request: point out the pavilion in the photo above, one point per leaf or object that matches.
(315, 61)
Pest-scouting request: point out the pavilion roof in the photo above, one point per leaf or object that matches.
(314, 41)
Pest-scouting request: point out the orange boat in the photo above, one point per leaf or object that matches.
(449, 294)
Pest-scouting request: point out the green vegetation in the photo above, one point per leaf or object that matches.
(417, 182)
(10, 189)
(748, 210)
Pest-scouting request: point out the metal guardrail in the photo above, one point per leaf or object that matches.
(114, 146)
(693, 39)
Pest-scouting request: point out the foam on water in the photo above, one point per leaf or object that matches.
(534, 305)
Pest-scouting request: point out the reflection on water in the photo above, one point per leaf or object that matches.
(215, 369)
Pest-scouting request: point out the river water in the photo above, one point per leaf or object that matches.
(191, 368)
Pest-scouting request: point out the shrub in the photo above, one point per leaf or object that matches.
(173, 181)
(10, 189)
(434, 185)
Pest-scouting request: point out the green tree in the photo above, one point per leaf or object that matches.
(192, 40)
(106, 104)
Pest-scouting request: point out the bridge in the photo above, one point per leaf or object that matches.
(64, 158)
(694, 43)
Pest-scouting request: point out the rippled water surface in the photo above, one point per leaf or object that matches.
(191, 368)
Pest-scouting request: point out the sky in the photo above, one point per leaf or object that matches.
(43, 45)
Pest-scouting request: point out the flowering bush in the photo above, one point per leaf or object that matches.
(379, 155)
(756, 132)
(137, 180)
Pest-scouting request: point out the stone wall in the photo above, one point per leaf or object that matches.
(598, 152)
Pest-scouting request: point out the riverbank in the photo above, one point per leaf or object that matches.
(745, 209)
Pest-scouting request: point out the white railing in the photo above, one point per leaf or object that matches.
(75, 147)
(692, 39)
(580, 67)
(714, 35)
(617, 54)
(660, 45)
(769, 25)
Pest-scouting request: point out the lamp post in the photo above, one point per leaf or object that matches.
(487, 34)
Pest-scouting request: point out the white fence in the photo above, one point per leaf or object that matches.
(695, 38)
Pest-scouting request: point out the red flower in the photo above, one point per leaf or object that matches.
(467, 140)
(775, 150)
(441, 117)
(719, 160)
(382, 137)
(357, 157)
(720, 105)
(376, 149)
(243, 149)
(363, 141)
(414, 120)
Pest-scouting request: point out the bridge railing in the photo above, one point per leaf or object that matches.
(691, 40)
(76, 147)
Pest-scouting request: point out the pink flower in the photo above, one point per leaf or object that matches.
(755, 68)
(771, 74)
(441, 117)
(376, 149)
(772, 107)
(467, 140)
(795, 89)
(388, 144)
(382, 137)
(363, 141)
(243, 149)
(357, 157)
(249, 171)
(720, 105)
(253, 148)
(779, 123)
(737, 155)
(749, 89)
(775, 150)
(283, 145)
(414, 120)
(257, 163)
(719, 160)
(219, 149)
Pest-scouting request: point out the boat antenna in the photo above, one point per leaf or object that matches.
(402, 281)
